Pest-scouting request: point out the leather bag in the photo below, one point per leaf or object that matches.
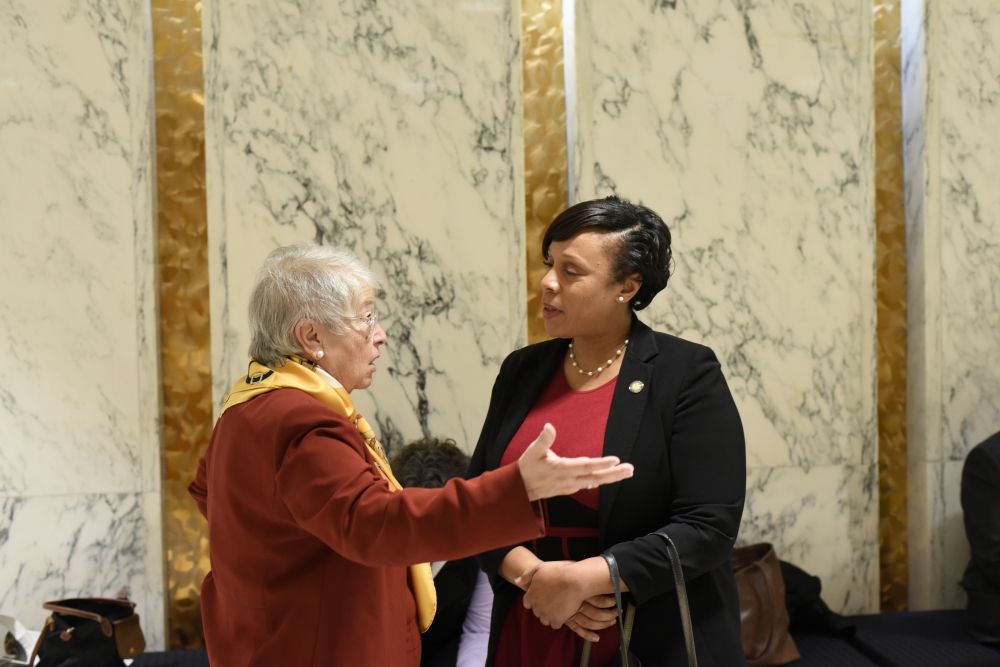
(90, 632)
(763, 615)
(625, 657)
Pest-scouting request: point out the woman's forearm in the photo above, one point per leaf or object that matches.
(321, 485)
(594, 578)
(591, 576)
(517, 561)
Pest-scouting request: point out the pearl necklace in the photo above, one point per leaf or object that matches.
(599, 368)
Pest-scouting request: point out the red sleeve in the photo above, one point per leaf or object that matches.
(333, 490)
(199, 487)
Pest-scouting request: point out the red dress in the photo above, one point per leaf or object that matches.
(571, 523)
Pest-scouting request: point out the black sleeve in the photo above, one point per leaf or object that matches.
(981, 506)
(707, 457)
(489, 562)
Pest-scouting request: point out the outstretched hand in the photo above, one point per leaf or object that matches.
(546, 474)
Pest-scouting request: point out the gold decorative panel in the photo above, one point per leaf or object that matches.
(184, 314)
(890, 229)
(545, 165)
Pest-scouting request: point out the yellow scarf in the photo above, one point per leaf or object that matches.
(319, 384)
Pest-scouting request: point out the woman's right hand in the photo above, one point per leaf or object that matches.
(546, 474)
(597, 613)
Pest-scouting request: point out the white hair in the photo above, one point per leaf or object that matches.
(300, 282)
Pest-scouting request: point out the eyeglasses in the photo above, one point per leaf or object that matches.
(370, 320)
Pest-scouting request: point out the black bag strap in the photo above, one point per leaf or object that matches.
(682, 597)
(616, 582)
(588, 646)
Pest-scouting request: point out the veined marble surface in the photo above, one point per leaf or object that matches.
(394, 129)
(79, 545)
(968, 84)
(748, 128)
(952, 67)
(818, 519)
(79, 445)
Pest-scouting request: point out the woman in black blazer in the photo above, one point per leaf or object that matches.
(670, 413)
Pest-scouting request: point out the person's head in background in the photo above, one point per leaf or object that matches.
(429, 463)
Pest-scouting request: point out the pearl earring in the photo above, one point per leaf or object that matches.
(621, 298)
(319, 354)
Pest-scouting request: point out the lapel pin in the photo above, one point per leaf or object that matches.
(636, 387)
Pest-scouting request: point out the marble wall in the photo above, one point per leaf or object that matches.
(749, 128)
(79, 442)
(394, 129)
(951, 57)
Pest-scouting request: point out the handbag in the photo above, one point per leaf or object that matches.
(763, 614)
(89, 632)
(626, 658)
(15, 638)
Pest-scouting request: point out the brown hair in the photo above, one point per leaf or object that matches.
(429, 463)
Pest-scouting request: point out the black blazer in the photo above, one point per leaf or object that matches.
(981, 507)
(683, 433)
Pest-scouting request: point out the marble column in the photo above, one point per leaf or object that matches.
(951, 84)
(79, 402)
(395, 130)
(748, 127)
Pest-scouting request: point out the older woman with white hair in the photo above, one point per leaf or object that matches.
(318, 557)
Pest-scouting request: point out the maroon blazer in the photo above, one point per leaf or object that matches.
(309, 544)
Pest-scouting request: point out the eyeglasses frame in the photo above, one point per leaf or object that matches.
(371, 320)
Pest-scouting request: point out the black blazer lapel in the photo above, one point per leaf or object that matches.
(526, 389)
(627, 406)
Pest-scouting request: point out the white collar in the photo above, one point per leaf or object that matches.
(329, 379)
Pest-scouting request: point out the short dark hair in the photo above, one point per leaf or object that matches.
(643, 245)
(429, 463)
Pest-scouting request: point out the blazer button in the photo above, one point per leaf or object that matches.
(636, 387)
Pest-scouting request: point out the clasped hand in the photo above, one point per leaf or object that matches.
(563, 593)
